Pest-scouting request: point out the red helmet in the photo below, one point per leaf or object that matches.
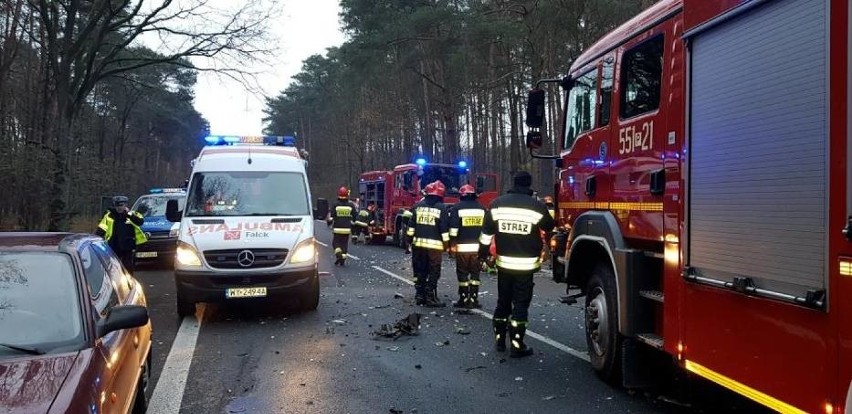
(436, 189)
(343, 192)
(429, 189)
(467, 189)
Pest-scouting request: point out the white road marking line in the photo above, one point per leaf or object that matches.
(393, 275)
(562, 347)
(168, 394)
(321, 243)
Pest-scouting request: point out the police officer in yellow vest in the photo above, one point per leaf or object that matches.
(120, 227)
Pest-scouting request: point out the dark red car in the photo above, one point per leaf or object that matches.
(74, 330)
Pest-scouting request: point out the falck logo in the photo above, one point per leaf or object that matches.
(245, 258)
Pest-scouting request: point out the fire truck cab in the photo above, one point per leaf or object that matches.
(703, 197)
(395, 191)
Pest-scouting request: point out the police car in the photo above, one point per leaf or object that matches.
(162, 234)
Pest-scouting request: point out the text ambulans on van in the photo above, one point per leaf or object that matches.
(247, 228)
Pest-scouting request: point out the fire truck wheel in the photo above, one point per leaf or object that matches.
(602, 337)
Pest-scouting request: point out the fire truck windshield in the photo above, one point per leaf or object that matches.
(452, 177)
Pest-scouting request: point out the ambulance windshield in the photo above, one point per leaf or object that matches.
(247, 194)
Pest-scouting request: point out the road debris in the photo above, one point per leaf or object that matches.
(339, 322)
(519, 378)
(473, 368)
(398, 295)
(462, 330)
(393, 348)
(409, 325)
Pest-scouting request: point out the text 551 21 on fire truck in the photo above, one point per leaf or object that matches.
(704, 201)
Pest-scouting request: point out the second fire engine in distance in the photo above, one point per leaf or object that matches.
(247, 229)
(162, 233)
(396, 191)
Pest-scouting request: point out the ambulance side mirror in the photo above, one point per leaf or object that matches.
(172, 212)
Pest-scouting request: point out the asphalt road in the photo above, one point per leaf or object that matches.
(268, 357)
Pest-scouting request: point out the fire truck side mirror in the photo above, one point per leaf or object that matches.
(535, 108)
(534, 140)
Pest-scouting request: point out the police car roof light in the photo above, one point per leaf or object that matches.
(420, 161)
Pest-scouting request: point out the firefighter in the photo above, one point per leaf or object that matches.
(122, 229)
(515, 222)
(465, 228)
(551, 208)
(341, 219)
(430, 236)
(362, 224)
(406, 216)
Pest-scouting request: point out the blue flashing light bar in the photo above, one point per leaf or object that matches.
(462, 164)
(286, 141)
(420, 161)
(166, 190)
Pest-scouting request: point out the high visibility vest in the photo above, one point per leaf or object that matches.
(107, 223)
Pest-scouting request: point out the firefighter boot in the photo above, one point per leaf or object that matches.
(420, 297)
(500, 327)
(464, 297)
(519, 349)
(432, 300)
(473, 297)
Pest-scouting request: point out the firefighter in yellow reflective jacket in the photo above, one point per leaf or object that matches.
(430, 237)
(465, 228)
(340, 218)
(121, 228)
(516, 220)
(363, 223)
(406, 216)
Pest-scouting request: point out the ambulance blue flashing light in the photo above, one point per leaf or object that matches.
(420, 161)
(166, 190)
(287, 141)
(462, 164)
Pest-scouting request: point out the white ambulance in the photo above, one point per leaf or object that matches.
(246, 230)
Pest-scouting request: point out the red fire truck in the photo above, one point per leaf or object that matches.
(704, 197)
(395, 191)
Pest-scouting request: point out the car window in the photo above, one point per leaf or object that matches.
(247, 193)
(641, 77)
(155, 206)
(123, 281)
(39, 302)
(101, 290)
(581, 106)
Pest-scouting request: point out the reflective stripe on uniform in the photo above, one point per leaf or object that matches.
(343, 211)
(428, 216)
(474, 283)
(467, 247)
(362, 224)
(454, 232)
(345, 230)
(410, 231)
(518, 263)
(428, 243)
(517, 214)
(471, 217)
(464, 283)
(445, 237)
(486, 238)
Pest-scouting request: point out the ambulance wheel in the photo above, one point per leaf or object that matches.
(602, 336)
(184, 307)
(311, 297)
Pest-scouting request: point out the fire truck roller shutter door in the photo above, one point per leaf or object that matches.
(759, 148)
